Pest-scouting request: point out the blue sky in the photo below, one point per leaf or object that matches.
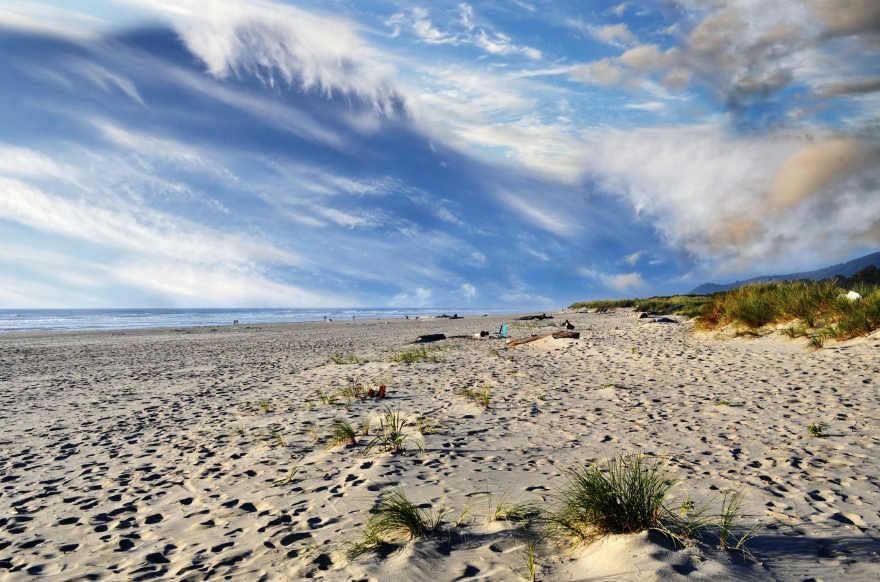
(524, 154)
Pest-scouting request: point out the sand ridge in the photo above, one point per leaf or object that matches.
(147, 453)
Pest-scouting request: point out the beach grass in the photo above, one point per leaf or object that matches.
(689, 305)
(395, 519)
(391, 434)
(342, 433)
(820, 311)
(480, 395)
(624, 494)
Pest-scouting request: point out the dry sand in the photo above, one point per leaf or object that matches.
(139, 454)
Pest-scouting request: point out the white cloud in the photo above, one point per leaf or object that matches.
(649, 106)
(280, 44)
(626, 281)
(619, 281)
(500, 44)
(469, 291)
(615, 34)
(633, 258)
(461, 32)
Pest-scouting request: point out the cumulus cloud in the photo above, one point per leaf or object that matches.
(626, 281)
(744, 201)
(618, 281)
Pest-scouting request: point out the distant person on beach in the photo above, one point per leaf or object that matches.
(352, 317)
(325, 318)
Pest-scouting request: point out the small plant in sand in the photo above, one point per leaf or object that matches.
(722, 403)
(729, 518)
(815, 430)
(276, 438)
(796, 331)
(341, 433)
(427, 425)
(634, 350)
(623, 494)
(512, 509)
(542, 397)
(312, 430)
(529, 569)
(414, 356)
(480, 396)
(340, 359)
(396, 519)
(354, 389)
(603, 386)
(472, 500)
(509, 358)
(240, 430)
(266, 404)
(326, 398)
(391, 436)
(494, 353)
(290, 477)
(364, 426)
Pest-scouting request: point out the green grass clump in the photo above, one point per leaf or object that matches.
(414, 356)
(815, 430)
(624, 494)
(396, 519)
(806, 305)
(512, 509)
(342, 433)
(480, 396)
(340, 359)
(391, 434)
(722, 403)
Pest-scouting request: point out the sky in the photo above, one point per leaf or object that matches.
(518, 153)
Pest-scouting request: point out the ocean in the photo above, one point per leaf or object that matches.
(20, 320)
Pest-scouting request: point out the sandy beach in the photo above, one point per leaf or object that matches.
(133, 455)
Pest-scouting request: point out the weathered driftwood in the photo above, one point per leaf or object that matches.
(431, 337)
(512, 343)
(541, 317)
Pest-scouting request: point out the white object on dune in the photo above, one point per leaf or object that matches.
(852, 296)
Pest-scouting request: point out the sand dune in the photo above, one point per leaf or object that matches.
(142, 454)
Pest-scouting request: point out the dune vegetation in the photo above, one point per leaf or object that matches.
(819, 311)
(689, 305)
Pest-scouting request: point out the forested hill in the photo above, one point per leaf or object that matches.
(847, 270)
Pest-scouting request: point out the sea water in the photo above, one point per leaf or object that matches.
(18, 320)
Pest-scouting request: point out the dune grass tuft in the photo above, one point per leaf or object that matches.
(414, 356)
(624, 494)
(391, 434)
(342, 433)
(396, 519)
(480, 395)
(340, 359)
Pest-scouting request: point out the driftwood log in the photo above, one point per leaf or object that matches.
(512, 343)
